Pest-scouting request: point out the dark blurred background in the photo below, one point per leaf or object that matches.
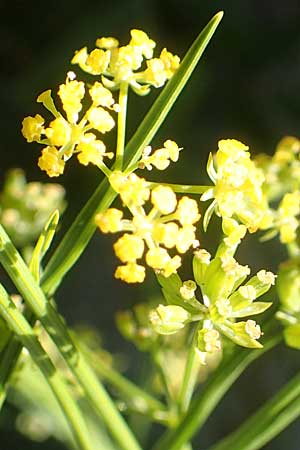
(246, 87)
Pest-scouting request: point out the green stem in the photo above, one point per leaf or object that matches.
(123, 94)
(145, 402)
(267, 422)
(183, 188)
(220, 382)
(19, 325)
(55, 326)
(8, 360)
(190, 376)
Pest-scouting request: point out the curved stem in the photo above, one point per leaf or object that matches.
(123, 94)
(19, 325)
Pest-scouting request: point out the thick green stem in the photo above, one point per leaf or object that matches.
(267, 422)
(220, 382)
(123, 94)
(19, 325)
(56, 328)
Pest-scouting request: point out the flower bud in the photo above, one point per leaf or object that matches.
(168, 319)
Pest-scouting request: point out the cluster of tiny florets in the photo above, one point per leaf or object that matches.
(69, 133)
(238, 186)
(159, 224)
(124, 64)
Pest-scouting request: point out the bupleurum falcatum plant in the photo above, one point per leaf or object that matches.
(203, 329)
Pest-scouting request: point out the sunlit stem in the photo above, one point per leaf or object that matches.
(103, 167)
(190, 376)
(121, 125)
(24, 332)
(183, 188)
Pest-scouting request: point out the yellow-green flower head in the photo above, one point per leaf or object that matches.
(130, 273)
(110, 221)
(33, 128)
(187, 290)
(164, 199)
(289, 209)
(168, 319)
(123, 64)
(153, 228)
(51, 162)
(66, 136)
(161, 157)
(129, 248)
(133, 190)
(238, 186)
(209, 340)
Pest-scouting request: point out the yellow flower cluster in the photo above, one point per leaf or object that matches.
(169, 224)
(238, 186)
(161, 157)
(65, 136)
(289, 209)
(119, 64)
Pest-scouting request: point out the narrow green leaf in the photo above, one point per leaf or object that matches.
(251, 310)
(276, 414)
(43, 244)
(238, 338)
(208, 214)
(157, 114)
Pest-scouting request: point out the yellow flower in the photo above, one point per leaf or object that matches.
(133, 190)
(129, 248)
(119, 64)
(166, 234)
(161, 157)
(71, 94)
(149, 230)
(101, 96)
(51, 162)
(253, 329)
(186, 238)
(32, 128)
(98, 61)
(238, 186)
(171, 62)
(107, 42)
(140, 39)
(131, 273)
(100, 119)
(288, 210)
(68, 136)
(91, 150)
(187, 211)
(110, 220)
(164, 199)
(59, 132)
(155, 73)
